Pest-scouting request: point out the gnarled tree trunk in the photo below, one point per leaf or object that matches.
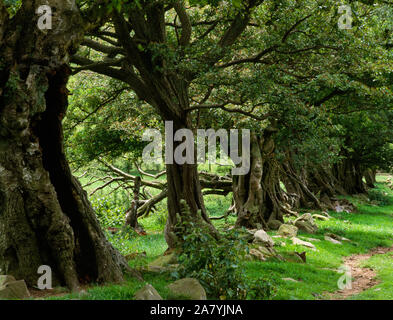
(183, 184)
(258, 195)
(295, 181)
(45, 216)
(350, 176)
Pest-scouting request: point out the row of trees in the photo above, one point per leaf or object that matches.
(317, 99)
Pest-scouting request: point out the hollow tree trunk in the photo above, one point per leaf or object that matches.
(258, 195)
(45, 216)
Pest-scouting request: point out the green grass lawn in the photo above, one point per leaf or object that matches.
(370, 226)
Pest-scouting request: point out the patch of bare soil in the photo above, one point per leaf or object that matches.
(362, 278)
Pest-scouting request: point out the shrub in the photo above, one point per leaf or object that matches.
(217, 264)
(109, 212)
(381, 197)
(122, 240)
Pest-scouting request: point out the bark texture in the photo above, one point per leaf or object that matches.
(296, 184)
(45, 216)
(258, 195)
(350, 176)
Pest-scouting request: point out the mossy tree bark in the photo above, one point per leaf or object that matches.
(45, 216)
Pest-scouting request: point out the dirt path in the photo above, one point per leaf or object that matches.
(362, 278)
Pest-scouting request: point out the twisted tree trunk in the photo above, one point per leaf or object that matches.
(183, 185)
(45, 216)
(296, 183)
(350, 176)
(258, 195)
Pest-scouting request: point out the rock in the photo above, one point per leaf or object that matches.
(274, 224)
(5, 279)
(306, 223)
(306, 227)
(267, 251)
(14, 290)
(310, 239)
(303, 243)
(344, 205)
(257, 254)
(294, 257)
(320, 217)
(187, 288)
(327, 238)
(262, 237)
(287, 230)
(336, 237)
(326, 214)
(163, 263)
(262, 253)
(148, 292)
(289, 279)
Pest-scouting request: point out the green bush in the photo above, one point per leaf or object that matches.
(217, 264)
(122, 240)
(381, 197)
(109, 212)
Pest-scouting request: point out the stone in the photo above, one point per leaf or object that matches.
(287, 230)
(257, 254)
(187, 288)
(262, 237)
(14, 290)
(163, 263)
(334, 241)
(289, 279)
(267, 251)
(336, 237)
(5, 279)
(320, 217)
(310, 239)
(344, 205)
(306, 223)
(293, 257)
(326, 214)
(299, 242)
(148, 292)
(274, 224)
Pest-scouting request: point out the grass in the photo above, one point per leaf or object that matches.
(370, 226)
(383, 265)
